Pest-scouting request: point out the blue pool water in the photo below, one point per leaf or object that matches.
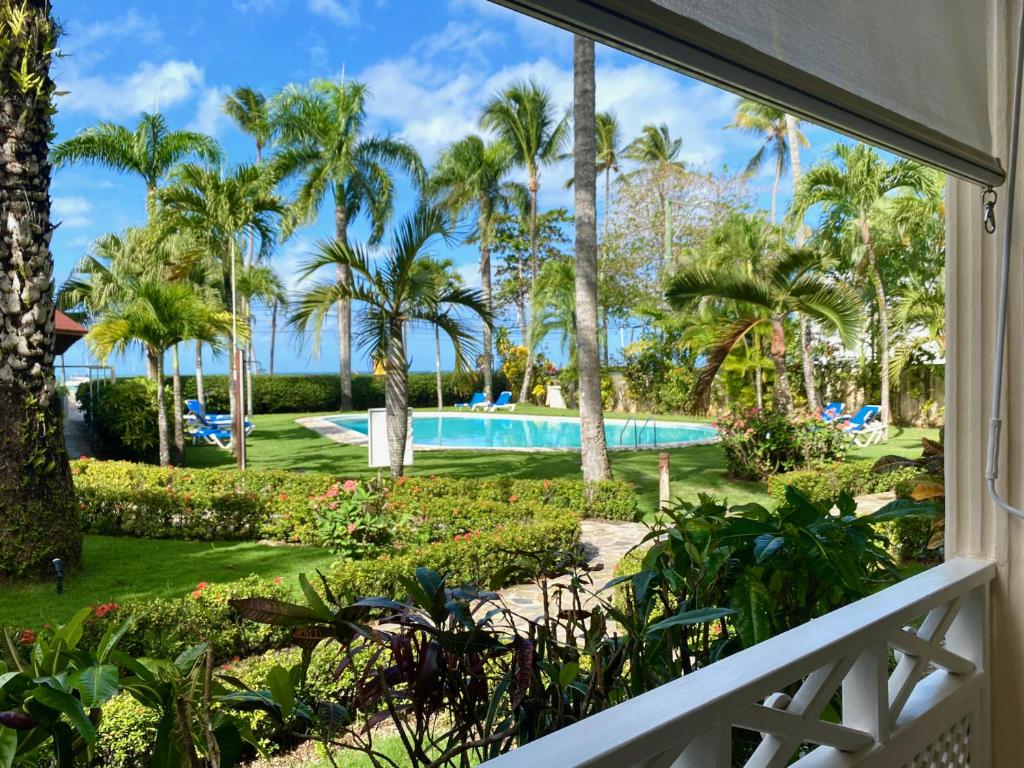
(519, 432)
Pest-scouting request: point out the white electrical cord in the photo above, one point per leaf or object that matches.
(995, 423)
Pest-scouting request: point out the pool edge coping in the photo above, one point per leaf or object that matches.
(323, 426)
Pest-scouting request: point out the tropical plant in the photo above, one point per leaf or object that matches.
(787, 283)
(472, 177)
(446, 277)
(218, 211)
(324, 146)
(395, 291)
(851, 188)
(769, 123)
(157, 315)
(38, 517)
(260, 282)
(149, 151)
(525, 117)
(655, 146)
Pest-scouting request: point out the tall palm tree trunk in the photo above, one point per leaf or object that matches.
(273, 335)
(179, 407)
(437, 368)
(250, 362)
(524, 391)
(485, 290)
(782, 397)
(200, 381)
(396, 399)
(344, 316)
(163, 438)
(883, 323)
(807, 358)
(592, 436)
(38, 517)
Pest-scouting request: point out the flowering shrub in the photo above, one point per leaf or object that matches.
(759, 443)
(352, 521)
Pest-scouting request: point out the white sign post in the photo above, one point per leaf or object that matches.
(378, 435)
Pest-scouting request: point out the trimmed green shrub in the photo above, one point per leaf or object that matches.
(828, 481)
(127, 499)
(164, 627)
(759, 443)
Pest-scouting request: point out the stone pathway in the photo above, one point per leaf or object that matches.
(76, 432)
(605, 542)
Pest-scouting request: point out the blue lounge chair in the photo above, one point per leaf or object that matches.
(832, 411)
(478, 399)
(212, 436)
(504, 402)
(199, 419)
(196, 409)
(865, 428)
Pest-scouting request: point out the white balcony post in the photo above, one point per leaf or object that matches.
(866, 692)
(710, 749)
(974, 526)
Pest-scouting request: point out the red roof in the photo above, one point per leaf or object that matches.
(66, 325)
(67, 331)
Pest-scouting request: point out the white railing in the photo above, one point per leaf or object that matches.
(910, 662)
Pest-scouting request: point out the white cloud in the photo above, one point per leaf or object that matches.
(82, 39)
(471, 43)
(71, 211)
(210, 118)
(470, 274)
(343, 12)
(149, 88)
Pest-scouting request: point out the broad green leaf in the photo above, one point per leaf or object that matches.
(187, 659)
(63, 745)
(567, 674)
(689, 618)
(71, 632)
(280, 684)
(313, 599)
(68, 705)
(8, 746)
(111, 638)
(96, 684)
(767, 545)
(751, 602)
(229, 741)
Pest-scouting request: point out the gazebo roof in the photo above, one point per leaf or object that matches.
(68, 332)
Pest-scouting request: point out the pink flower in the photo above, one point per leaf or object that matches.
(332, 491)
(350, 486)
(333, 505)
(351, 528)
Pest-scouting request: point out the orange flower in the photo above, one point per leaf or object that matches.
(513, 499)
(401, 480)
(282, 497)
(278, 579)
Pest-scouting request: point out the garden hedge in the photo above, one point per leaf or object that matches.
(828, 481)
(128, 499)
(124, 412)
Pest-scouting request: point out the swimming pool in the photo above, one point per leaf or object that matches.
(522, 433)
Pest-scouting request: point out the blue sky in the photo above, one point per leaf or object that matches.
(430, 64)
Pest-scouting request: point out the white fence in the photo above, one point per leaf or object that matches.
(910, 662)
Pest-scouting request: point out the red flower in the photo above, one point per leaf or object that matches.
(105, 609)
(513, 499)
(282, 497)
(202, 585)
(27, 637)
(83, 458)
(197, 593)
(278, 579)
(401, 480)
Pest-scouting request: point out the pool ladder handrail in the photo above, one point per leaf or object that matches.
(638, 430)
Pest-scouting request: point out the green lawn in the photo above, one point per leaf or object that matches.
(278, 442)
(117, 569)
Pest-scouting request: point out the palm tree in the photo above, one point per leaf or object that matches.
(655, 150)
(852, 188)
(770, 124)
(785, 284)
(556, 307)
(262, 283)
(394, 292)
(323, 144)
(471, 177)
(796, 139)
(219, 211)
(446, 278)
(149, 151)
(250, 110)
(524, 116)
(157, 314)
(38, 515)
(587, 342)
